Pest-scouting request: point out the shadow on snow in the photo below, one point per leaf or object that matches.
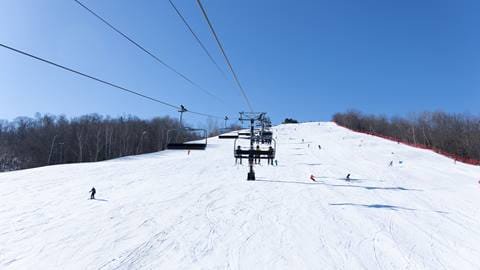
(377, 206)
(340, 185)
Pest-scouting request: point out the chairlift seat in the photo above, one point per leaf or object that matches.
(175, 144)
(228, 136)
(258, 154)
(187, 146)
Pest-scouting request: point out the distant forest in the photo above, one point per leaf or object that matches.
(457, 135)
(46, 140)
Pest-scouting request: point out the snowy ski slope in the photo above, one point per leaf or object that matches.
(170, 210)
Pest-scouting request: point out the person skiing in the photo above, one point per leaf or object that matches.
(93, 191)
(276, 162)
(312, 178)
(319, 147)
(391, 164)
(348, 177)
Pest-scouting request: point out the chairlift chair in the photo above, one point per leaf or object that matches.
(176, 139)
(226, 133)
(228, 136)
(266, 136)
(244, 133)
(262, 153)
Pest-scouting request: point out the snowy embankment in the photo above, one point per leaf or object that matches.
(170, 210)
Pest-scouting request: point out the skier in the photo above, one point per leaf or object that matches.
(257, 155)
(303, 140)
(319, 147)
(391, 164)
(276, 162)
(93, 191)
(238, 151)
(312, 178)
(348, 177)
(270, 154)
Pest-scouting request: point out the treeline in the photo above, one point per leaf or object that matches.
(454, 134)
(45, 140)
(289, 121)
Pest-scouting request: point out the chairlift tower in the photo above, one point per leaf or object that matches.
(251, 117)
(226, 119)
(181, 111)
(175, 140)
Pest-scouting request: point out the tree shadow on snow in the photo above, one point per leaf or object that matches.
(377, 206)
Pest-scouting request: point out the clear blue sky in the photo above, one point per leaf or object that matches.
(301, 59)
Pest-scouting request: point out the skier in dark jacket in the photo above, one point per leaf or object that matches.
(93, 191)
(239, 149)
(270, 155)
(348, 177)
(257, 155)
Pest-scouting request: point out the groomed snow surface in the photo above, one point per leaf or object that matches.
(170, 210)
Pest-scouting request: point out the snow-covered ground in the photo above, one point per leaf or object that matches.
(170, 210)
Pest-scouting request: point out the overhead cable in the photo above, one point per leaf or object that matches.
(225, 55)
(148, 52)
(101, 80)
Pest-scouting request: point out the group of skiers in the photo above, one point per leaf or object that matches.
(257, 156)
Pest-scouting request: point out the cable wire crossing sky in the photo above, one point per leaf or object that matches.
(305, 61)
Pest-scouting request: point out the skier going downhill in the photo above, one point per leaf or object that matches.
(93, 191)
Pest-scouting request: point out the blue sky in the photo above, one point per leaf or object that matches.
(301, 59)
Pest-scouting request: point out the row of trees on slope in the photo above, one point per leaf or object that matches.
(456, 134)
(44, 140)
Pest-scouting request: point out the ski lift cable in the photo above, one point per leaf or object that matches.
(101, 81)
(197, 38)
(148, 52)
(224, 55)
